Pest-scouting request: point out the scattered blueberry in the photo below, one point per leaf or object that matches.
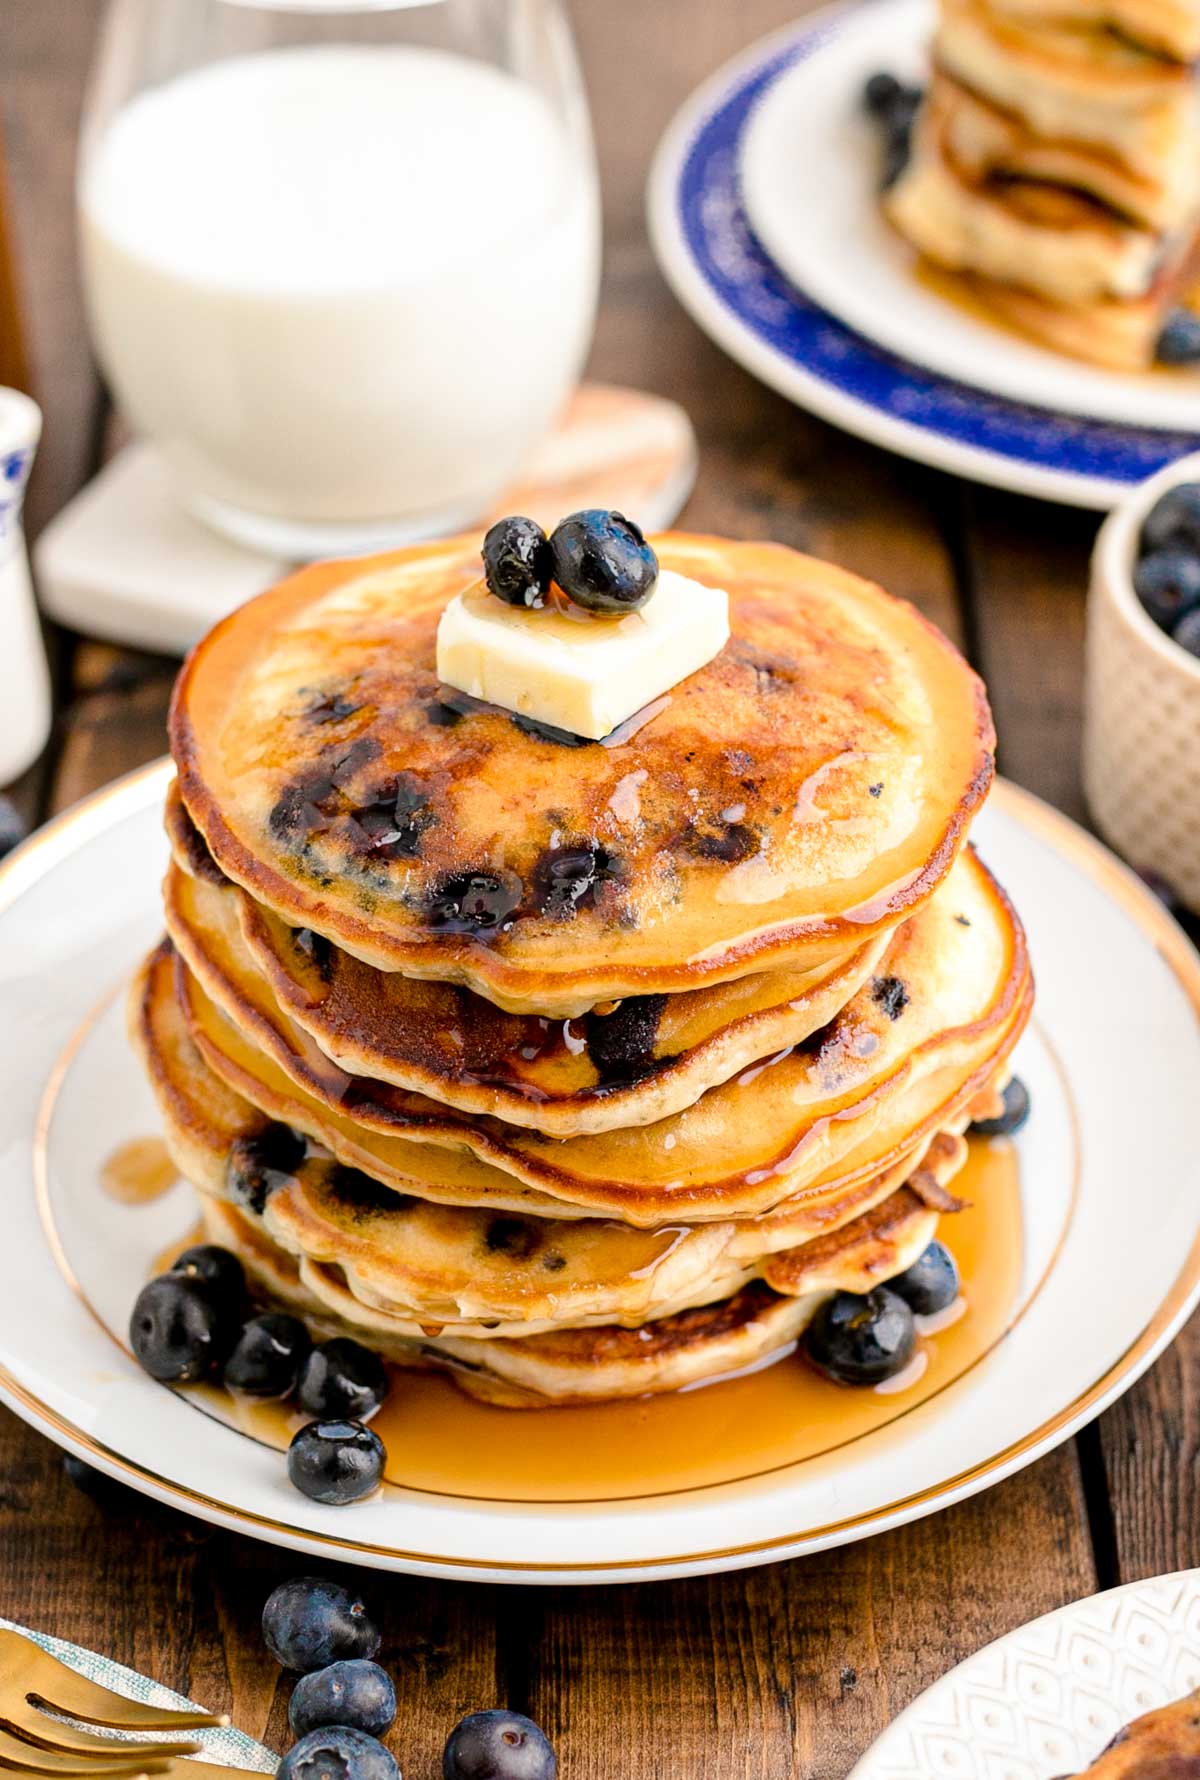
(498, 1745)
(1179, 342)
(602, 561)
(1168, 584)
(931, 1283)
(517, 564)
(338, 1752)
(894, 107)
(258, 1165)
(218, 1269)
(179, 1330)
(1016, 1111)
(1187, 632)
(1173, 522)
(336, 1462)
(310, 1622)
(473, 901)
(342, 1379)
(862, 1340)
(269, 1354)
(357, 1693)
(13, 827)
(102, 1489)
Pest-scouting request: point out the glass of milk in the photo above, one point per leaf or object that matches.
(340, 258)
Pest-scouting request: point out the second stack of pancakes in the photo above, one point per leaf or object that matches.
(583, 1070)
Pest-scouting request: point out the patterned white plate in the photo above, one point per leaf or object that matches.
(1045, 1700)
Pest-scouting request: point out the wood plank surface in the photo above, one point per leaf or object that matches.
(781, 1672)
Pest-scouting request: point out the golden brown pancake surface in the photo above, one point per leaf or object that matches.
(801, 793)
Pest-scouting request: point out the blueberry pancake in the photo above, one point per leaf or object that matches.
(948, 1002)
(805, 790)
(477, 1271)
(628, 1063)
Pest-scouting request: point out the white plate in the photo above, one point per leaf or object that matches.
(1045, 1699)
(724, 277)
(810, 183)
(1115, 1037)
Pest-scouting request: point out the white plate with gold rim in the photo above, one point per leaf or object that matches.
(1045, 1699)
(1114, 1044)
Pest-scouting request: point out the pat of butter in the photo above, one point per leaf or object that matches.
(576, 670)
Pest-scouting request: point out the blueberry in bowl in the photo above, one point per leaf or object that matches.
(309, 1623)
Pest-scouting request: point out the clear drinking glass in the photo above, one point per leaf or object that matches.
(340, 259)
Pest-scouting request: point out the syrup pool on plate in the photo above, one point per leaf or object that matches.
(441, 1440)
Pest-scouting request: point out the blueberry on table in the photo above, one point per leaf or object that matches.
(181, 1331)
(930, 1284)
(309, 1623)
(602, 561)
(1016, 1111)
(1167, 582)
(862, 1340)
(1173, 522)
(357, 1693)
(336, 1462)
(498, 1745)
(338, 1752)
(341, 1378)
(268, 1356)
(517, 563)
(216, 1268)
(1187, 632)
(1179, 342)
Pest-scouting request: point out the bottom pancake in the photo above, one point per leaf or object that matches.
(575, 1366)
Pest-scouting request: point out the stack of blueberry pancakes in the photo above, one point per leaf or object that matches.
(1056, 161)
(582, 1066)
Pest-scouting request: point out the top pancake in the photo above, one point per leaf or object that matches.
(807, 789)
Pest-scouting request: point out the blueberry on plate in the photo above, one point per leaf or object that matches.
(268, 1356)
(1167, 582)
(336, 1462)
(602, 561)
(1016, 1111)
(13, 827)
(516, 562)
(1179, 342)
(498, 1745)
(310, 1622)
(340, 1378)
(862, 1340)
(357, 1693)
(218, 1269)
(179, 1330)
(1187, 632)
(880, 94)
(930, 1284)
(338, 1752)
(1173, 522)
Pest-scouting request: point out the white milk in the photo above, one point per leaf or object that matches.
(339, 285)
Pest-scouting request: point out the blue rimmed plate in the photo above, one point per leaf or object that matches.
(739, 296)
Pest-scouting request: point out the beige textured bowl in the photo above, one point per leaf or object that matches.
(1141, 746)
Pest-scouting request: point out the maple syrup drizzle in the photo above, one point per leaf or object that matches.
(139, 1171)
(440, 1440)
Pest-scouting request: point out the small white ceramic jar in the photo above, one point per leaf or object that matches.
(24, 680)
(1141, 749)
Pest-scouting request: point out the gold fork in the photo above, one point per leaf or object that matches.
(37, 1692)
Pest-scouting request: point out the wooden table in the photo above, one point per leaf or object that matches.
(784, 1671)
